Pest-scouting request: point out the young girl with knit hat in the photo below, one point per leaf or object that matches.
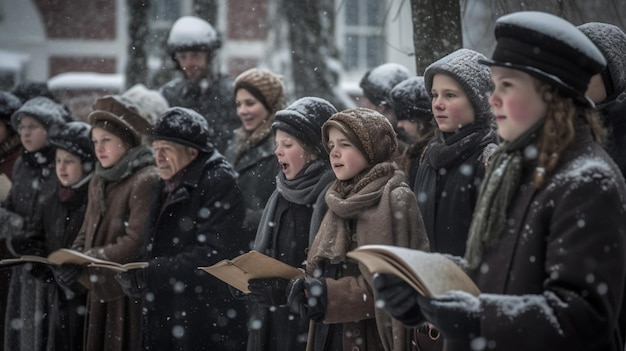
(368, 203)
(116, 214)
(290, 220)
(547, 245)
(258, 95)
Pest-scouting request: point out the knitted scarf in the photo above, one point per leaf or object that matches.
(9, 145)
(304, 189)
(448, 150)
(246, 141)
(136, 158)
(346, 203)
(496, 193)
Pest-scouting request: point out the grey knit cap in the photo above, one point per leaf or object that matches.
(410, 100)
(378, 82)
(51, 114)
(611, 41)
(475, 79)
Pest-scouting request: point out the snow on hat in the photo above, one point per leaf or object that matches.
(549, 48)
(29, 89)
(304, 119)
(51, 114)
(611, 41)
(367, 129)
(475, 79)
(378, 82)
(183, 126)
(75, 139)
(123, 114)
(191, 33)
(410, 100)
(151, 103)
(264, 85)
(9, 103)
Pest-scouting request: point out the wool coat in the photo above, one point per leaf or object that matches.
(26, 302)
(113, 228)
(213, 99)
(254, 160)
(55, 226)
(351, 321)
(197, 225)
(447, 192)
(561, 262)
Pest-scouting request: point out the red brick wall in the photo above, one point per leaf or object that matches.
(247, 19)
(58, 64)
(71, 19)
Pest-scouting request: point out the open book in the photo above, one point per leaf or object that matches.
(253, 264)
(429, 273)
(62, 256)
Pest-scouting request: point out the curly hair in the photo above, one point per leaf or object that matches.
(558, 130)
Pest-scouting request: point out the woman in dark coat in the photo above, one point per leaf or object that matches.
(195, 221)
(290, 221)
(34, 180)
(547, 246)
(258, 94)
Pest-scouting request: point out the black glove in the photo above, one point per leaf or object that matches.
(456, 314)
(40, 271)
(398, 298)
(66, 276)
(307, 297)
(133, 282)
(268, 291)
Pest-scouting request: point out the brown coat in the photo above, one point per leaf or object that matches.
(114, 233)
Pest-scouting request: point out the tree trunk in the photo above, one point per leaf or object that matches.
(207, 10)
(437, 30)
(312, 47)
(137, 65)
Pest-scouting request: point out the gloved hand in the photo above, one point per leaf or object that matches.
(399, 299)
(66, 276)
(455, 314)
(307, 297)
(133, 282)
(40, 271)
(268, 291)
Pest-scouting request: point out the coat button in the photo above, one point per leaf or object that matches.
(356, 333)
(355, 348)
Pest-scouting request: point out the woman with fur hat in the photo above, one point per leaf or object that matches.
(56, 224)
(290, 221)
(258, 95)
(36, 121)
(547, 245)
(368, 203)
(119, 197)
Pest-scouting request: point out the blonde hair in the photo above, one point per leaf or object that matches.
(558, 130)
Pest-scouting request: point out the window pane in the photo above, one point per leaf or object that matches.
(166, 10)
(375, 50)
(375, 12)
(351, 52)
(351, 8)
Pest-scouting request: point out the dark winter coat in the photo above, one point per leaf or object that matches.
(55, 226)
(447, 191)
(113, 227)
(214, 100)
(10, 150)
(614, 119)
(561, 262)
(285, 232)
(198, 225)
(34, 182)
(254, 161)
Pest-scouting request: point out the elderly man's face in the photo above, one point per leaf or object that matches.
(172, 157)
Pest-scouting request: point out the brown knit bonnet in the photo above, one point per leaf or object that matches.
(265, 86)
